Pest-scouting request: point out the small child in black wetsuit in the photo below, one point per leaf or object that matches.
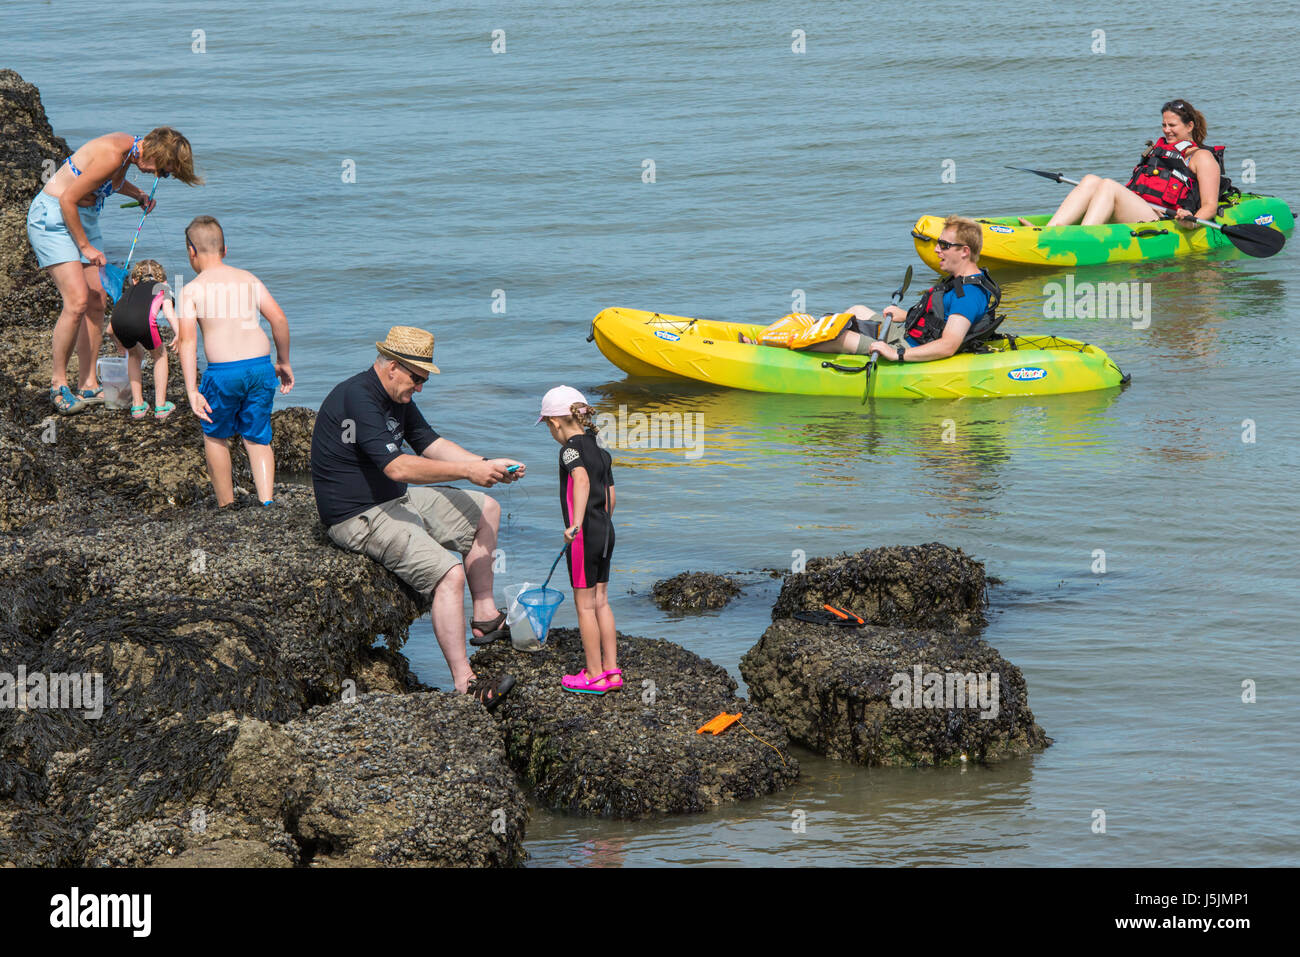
(587, 505)
(135, 327)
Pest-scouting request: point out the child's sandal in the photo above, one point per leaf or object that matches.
(139, 411)
(581, 683)
(161, 412)
(613, 679)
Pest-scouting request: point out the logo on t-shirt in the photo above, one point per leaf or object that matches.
(391, 424)
(569, 456)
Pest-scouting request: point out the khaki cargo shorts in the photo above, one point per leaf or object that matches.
(411, 535)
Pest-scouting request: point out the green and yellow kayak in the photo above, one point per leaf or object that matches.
(1006, 242)
(654, 345)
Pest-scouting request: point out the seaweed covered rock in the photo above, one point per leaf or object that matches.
(887, 696)
(379, 780)
(694, 591)
(29, 151)
(405, 780)
(323, 606)
(907, 586)
(633, 752)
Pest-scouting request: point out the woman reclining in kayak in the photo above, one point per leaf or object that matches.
(1177, 172)
(934, 328)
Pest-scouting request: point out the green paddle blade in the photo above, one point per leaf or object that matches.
(1255, 240)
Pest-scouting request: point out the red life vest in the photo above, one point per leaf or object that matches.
(1163, 176)
(926, 320)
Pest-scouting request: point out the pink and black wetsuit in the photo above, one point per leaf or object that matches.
(135, 317)
(589, 552)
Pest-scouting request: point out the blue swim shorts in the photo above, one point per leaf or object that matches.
(49, 235)
(240, 394)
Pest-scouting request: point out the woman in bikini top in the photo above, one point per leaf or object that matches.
(83, 182)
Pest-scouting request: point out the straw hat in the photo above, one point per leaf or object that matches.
(409, 345)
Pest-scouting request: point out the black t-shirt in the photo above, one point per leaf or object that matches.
(582, 450)
(359, 430)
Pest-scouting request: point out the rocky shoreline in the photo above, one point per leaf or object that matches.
(248, 716)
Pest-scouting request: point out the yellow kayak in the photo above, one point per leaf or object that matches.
(655, 345)
(1007, 242)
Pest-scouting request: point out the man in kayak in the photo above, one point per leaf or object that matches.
(934, 328)
(360, 474)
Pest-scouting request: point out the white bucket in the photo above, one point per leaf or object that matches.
(117, 387)
(521, 632)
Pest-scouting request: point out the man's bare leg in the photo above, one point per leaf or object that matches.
(478, 562)
(448, 613)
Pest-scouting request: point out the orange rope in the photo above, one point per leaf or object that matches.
(757, 738)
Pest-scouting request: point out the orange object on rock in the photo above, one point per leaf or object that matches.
(721, 723)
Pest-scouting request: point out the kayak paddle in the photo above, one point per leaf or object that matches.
(1251, 238)
(870, 365)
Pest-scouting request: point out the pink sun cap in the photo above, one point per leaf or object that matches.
(559, 401)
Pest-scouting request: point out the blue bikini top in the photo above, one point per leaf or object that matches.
(106, 188)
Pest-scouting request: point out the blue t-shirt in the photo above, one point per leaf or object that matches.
(971, 305)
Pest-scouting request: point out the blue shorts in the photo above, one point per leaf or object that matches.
(49, 235)
(240, 394)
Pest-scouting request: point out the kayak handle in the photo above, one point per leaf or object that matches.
(1147, 233)
(922, 236)
(849, 369)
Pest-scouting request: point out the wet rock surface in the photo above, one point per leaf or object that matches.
(913, 586)
(889, 696)
(380, 780)
(408, 779)
(28, 151)
(694, 591)
(633, 752)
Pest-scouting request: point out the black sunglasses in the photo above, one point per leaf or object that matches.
(945, 245)
(417, 379)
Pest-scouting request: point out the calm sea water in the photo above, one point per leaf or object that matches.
(775, 171)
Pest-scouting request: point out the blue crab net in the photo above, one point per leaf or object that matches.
(539, 605)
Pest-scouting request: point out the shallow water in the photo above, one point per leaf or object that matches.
(774, 172)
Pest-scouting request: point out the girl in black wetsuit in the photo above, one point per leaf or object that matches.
(135, 327)
(587, 504)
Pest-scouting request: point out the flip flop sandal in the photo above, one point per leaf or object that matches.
(488, 694)
(139, 411)
(492, 630)
(66, 401)
(825, 618)
(161, 412)
(92, 396)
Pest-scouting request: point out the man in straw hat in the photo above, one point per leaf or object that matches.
(361, 476)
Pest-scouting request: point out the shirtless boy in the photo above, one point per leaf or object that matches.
(239, 383)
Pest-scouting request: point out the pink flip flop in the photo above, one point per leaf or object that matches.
(581, 683)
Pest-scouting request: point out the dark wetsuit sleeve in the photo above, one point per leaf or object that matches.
(570, 459)
(419, 433)
(370, 428)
